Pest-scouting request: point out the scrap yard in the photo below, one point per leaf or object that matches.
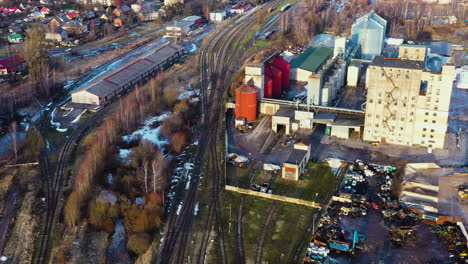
(364, 222)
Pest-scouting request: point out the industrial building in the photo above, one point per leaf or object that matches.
(181, 28)
(218, 16)
(123, 79)
(412, 52)
(323, 72)
(309, 62)
(296, 163)
(368, 32)
(407, 104)
(270, 76)
(354, 71)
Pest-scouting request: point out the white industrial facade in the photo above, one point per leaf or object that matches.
(369, 32)
(354, 69)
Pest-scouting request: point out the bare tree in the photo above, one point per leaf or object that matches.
(13, 136)
(143, 174)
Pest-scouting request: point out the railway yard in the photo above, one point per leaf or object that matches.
(229, 163)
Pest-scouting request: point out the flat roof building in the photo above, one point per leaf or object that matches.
(406, 104)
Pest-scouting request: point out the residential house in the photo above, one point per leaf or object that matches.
(123, 10)
(73, 27)
(15, 38)
(57, 35)
(73, 15)
(10, 64)
(37, 14)
(240, 8)
(172, 2)
(44, 10)
(118, 22)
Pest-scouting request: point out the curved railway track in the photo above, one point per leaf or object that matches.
(271, 215)
(54, 184)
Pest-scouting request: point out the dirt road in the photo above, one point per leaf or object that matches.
(7, 215)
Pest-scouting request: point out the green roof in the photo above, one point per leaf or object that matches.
(15, 36)
(312, 58)
(413, 45)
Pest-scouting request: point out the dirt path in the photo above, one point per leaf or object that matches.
(7, 215)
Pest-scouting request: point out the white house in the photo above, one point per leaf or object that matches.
(218, 16)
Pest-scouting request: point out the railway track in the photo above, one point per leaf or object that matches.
(54, 184)
(215, 62)
(267, 225)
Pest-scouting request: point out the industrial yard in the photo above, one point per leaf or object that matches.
(280, 131)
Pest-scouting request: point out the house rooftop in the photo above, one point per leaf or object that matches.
(312, 58)
(397, 63)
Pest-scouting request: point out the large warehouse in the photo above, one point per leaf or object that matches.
(124, 78)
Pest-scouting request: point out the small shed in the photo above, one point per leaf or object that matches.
(342, 128)
(296, 163)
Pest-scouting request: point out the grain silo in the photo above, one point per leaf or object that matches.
(246, 102)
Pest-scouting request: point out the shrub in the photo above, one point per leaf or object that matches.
(139, 243)
(103, 215)
(179, 140)
(72, 209)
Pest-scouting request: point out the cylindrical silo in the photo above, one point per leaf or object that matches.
(246, 102)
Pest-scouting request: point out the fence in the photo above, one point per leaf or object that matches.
(273, 196)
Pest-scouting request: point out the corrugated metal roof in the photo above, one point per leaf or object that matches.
(312, 58)
(129, 72)
(122, 76)
(102, 88)
(163, 54)
(397, 63)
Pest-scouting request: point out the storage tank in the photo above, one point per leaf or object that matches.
(285, 67)
(268, 89)
(277, 78)
(246, 102)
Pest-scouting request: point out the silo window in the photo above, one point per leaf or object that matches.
(423, 88)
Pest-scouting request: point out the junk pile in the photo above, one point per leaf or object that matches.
(456, 240)
(237, 159)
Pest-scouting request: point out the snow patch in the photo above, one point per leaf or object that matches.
(3, 258)
(194, 48)
(179, 208)
(110, 179)
(138, 201)
(124, 153)
(195, 211)
(149, 133)
(334, 163)
(68, 112)
(56, 124)
(78, 117)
